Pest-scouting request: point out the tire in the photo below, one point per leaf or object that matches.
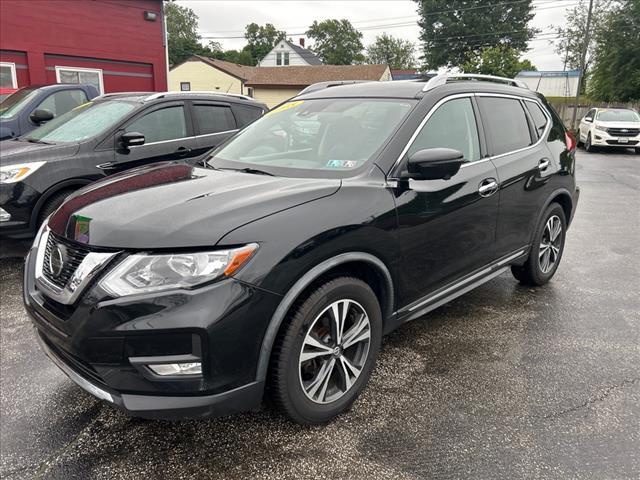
(296, 385)
(542, 263)
(51, 205)
(587, 146)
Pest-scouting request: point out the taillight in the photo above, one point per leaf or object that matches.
(570, 138)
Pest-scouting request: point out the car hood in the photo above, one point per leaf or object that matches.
(19, 151)
(174, 205)
(619, 124)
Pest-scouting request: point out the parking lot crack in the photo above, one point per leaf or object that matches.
(606, 392)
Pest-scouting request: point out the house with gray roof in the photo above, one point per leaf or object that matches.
(286, 53)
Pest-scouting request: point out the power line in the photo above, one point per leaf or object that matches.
(543, 6)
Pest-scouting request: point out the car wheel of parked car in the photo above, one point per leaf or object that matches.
(325, 353)
(52, 204)
(587, 145)
(547, 248)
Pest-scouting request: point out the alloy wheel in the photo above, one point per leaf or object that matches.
(550, 244)
(334, 351)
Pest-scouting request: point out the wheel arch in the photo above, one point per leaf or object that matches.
(76, 183)
(362, 265)
(561, 196)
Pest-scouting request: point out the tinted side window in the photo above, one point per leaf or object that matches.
(507, 124)
(538, 117)
(452, 125)
(61, 102)
(245, 115)
(214, 118)
(165, 124)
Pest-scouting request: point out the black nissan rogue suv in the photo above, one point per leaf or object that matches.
(175, 290)
(112, 133)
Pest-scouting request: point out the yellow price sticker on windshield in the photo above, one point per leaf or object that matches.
(82, 105)
(286, 106)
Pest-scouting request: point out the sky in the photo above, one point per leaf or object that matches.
(226, 20)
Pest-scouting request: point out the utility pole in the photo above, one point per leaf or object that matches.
(583, 61)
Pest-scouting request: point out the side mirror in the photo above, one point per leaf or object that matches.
(588, 119)
(132, 139)
(40, 116)
(434, 164)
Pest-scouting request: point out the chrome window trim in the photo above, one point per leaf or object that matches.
(90, 266)
(159, 142)
(216, 133)
(476, 94)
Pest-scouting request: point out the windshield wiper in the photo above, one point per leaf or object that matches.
(33, 140)
(249, 170)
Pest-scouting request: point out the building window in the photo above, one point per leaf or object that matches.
(250, 91)
(282, 58)
(8, 75)
(89, 76)
(185, 86)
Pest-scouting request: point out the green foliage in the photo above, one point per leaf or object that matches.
(261, 40)
(571, 33)
(337, 42)
(503, 61)
(395, 52)
(455, 31)
(616, 71)
(182, 33)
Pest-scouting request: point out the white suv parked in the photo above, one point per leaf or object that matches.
(610, 127)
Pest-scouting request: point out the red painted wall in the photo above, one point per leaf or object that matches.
(111, 35)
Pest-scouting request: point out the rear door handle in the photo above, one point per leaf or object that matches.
(543, 164)
(488, 187)
(182, 151)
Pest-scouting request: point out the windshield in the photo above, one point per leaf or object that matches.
(305, 137)
(83, 122)
(618, 116)
(14, 102)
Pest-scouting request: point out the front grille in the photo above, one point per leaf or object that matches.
(618, 132)
(630, 143)
(73, 254)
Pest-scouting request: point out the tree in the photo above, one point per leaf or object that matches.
(261, 40)
(337, 42)
(395, 52)
(503, 61)
(455, 31)
(616, 59)
(182, 33)
(572, 36)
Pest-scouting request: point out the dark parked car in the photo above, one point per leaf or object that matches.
(177, 290)
(29, 107)
(113, 133)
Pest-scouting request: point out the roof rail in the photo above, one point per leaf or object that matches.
(443, 78)
(164, 94)
(115, 94)
(332, 83)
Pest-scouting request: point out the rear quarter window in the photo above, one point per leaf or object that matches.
(245, 114)
(539, 118)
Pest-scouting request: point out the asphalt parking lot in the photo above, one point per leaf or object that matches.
(506, 382)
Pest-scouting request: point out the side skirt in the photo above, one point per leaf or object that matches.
(459, 287)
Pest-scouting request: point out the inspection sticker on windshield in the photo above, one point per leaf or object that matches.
(286, 106)
(342, 163)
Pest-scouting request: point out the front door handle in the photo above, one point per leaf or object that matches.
(543, 164)
(183, 151)
(488, 187)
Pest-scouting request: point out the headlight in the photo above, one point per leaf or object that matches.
(16, 173)
(141, 273)
(601, 127)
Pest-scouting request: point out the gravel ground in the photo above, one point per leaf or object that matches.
(505, 382)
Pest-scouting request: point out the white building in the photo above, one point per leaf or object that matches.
(552, 83)
(287, 53)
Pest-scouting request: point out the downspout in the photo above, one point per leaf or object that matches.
(165, 43)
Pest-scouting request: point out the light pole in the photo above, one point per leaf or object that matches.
(583, 61)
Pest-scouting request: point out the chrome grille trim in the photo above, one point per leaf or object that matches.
(67, 288)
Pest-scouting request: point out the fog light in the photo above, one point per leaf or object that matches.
(4, 215)
(598, 137)
(194, 368)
